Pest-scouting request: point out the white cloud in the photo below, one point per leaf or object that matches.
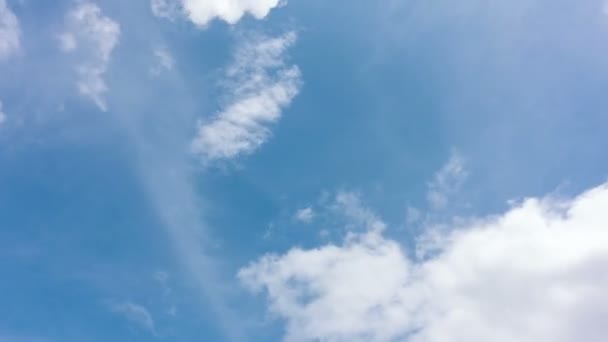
(164, 61)
(135, 314)
(536, 273)
(9, 31)
(447, 181)
(96, 36)
(2, 115)
(305, 215)
(261, 86)
(201, 12)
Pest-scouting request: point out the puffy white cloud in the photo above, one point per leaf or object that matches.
(95, 36)
(9, 31)
(135, 314)
(536, 273)
(261, 85)
(201, 12)
(447, 181)
(305, 214)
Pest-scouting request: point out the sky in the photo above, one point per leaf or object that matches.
(283, 170)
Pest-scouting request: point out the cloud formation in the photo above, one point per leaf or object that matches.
(94, 36)
(201, 12)
(9, 31)
(261, 85)
(349, 205)
(135, 314)
(168, 9)
(447, 181)
(164, 61)
(536, 273)
(305, 214)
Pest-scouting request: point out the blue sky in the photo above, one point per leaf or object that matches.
(265, 170)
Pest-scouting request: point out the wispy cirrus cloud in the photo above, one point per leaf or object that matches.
(305, 215)
(534, 273)
(260, 84)
(94, 36)
(257, 83)
(447, 181)
(349, 205)
(10, 33)
(136, 314)
(201, 12)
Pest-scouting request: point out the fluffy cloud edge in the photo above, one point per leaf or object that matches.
(202, 12)
(535, 273)
(10, 33)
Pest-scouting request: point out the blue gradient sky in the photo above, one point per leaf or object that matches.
(104, 214)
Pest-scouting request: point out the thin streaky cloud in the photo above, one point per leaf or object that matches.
(305, 215)
(136, 314)
(447, 181)
(261, 84)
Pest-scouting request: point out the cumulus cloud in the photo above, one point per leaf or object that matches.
(135, 314)
(447, 181)
(261, 84)
(95, 36)
(201, 12)
(9, 31)
(535, 273)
